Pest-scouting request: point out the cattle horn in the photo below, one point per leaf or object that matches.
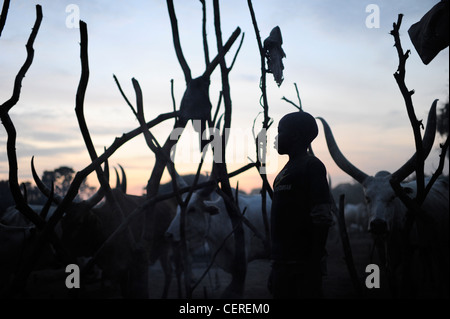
(121, 184)
(98, 196)
(41, 186)
(427, 143)
(91, 202)
(338, 157)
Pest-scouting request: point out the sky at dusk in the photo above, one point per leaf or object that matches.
(343, 70)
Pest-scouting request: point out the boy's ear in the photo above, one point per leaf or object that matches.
(296, 137)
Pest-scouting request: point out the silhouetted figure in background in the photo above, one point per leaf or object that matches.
(301, 213)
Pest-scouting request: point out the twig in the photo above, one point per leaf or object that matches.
(205, 39)
(174, 104)
(237, 52)
(289, 101)
(125, 97)
(176, 42)
(217, 108)
(224, 49)
(151, 141)
(298, 97)
(6, 106)
(3, 15)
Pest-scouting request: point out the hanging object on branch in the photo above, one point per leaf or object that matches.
(430, 35)
(196, 105)
(274, 54)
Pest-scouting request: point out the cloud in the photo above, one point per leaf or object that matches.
(342, 68)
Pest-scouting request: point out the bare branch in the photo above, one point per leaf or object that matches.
(174, 104)
(6, 106)
(3, 15)
(20, 201)
(79, 110)
(298, 97)
(149, 138)
(237, 52)
(125, 97)
(215, 62)
(176, 42)
(205, 39)
(217, 108)
(400, 78)
(438, 172)
(289, 101)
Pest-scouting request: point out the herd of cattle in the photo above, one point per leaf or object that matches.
(85, 227)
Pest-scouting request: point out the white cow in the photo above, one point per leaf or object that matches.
(207, 221)
(387, 215)
(356, 217)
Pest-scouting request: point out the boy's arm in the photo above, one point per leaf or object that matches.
(321, 209)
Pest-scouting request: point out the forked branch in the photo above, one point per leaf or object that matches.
(416, 125)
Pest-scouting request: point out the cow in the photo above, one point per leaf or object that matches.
(13, 241)
(387, 215)
(87, 224)
(207, 222)
(356, 217)
(17, 238)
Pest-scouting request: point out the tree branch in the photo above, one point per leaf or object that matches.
(6, 106)
(125, 97)
(176, 42)
(3, 15)
(205, 38)
(400, 78)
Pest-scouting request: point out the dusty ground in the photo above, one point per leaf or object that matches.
(337, 284)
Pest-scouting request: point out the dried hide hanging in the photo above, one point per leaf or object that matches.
(274, 54)
(195, 105)
(431, 34)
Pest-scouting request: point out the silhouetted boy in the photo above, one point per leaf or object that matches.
(301, 213)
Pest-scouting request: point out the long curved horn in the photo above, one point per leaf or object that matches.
(117, 178)
(427, 143)
(91, 202)
(98, 196)
(338, 157)
(42, 187)
(123, 184)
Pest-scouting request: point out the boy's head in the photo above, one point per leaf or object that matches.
(296, 131)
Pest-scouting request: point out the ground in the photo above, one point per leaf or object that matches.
(337, 284)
